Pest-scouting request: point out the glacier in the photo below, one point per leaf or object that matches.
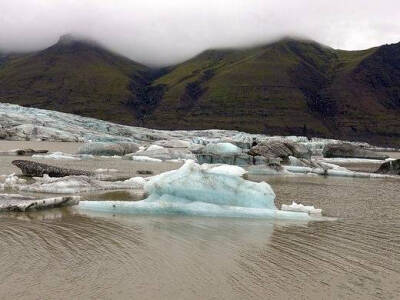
(25, 123)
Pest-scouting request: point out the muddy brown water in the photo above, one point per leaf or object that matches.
(70, 254)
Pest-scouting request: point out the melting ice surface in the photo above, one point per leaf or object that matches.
(202, 190)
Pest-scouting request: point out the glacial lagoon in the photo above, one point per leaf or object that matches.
(74, 253)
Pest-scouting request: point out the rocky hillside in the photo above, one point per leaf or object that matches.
(289, 87)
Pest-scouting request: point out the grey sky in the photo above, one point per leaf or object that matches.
(167, 31)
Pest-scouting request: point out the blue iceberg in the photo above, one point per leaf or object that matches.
(201, 190)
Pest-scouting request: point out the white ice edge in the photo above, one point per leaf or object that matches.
(191, 209)
(339, 172)
(353, 160)
(28, 204)
(298, 207)
(57, 155)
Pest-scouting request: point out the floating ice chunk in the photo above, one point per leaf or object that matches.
(105, 170)
(10, 181)
(171, 205)
(267, 170)
(137, 182)
(144, 158)
(112, 156)
(56, 155)
(336, 160)
(164, 153)
(227, 170)
(77, 184)
(222, 149)
(336, 171)
(193, 183)
(202, 191)
(301, 208)
(15, 202)
(297, 169)
(154, 147)
(108, 149)
(176, 160)
(173, 143)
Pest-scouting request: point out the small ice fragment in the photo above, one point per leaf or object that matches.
(227, 170)
(154, 147)
(145, 159)
(105, 170)
(301, 208)
(56, 155)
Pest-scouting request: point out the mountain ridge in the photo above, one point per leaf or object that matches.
(288, 87)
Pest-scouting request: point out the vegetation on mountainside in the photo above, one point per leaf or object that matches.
(284, 87)
(289, 87)
(76, 77)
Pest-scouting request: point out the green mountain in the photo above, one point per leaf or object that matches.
(75, 76)
(289, 87)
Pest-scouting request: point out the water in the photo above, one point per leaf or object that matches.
(65, 253)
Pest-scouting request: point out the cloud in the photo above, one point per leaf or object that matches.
(160, 32)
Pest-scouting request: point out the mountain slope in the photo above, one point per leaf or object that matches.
(288, 87)
(75, 76)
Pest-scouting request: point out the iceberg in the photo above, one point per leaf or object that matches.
(9, 181)
(201, 190)
(108, 149)
(154, 147)
(227, 170)
(76, 184)
(161, 153)
(56, 155)
(20, 203)
(144, 158)
(193, 182)
(105, 170)
(336, 160)
(223, 149)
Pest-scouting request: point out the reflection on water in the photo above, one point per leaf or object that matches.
(65, 253)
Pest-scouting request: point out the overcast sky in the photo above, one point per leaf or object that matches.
(167, 31)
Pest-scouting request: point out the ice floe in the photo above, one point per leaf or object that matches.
(20, 203)
(336, 160)
(154, 147)
(301, 208)
(227, 170)
(57, 155)
(9, 181)
(105, 170)
(76, 184)
(335, 171)
(223, 149)
(202, 190)
(108, 149)
(162, 154)
(144, 158)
